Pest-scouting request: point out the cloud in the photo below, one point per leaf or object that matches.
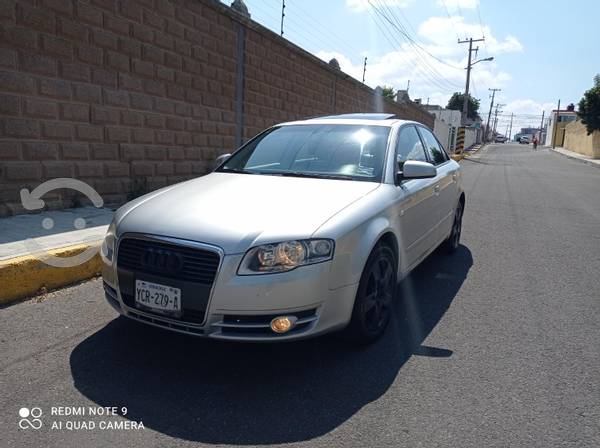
(529, 106)
(396, 68)
(363, 5)
(463, 4)
(436, 77)
(442, 32)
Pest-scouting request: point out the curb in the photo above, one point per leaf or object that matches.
(568, 156)
(27, 275)
(466, 154)
(470, 153)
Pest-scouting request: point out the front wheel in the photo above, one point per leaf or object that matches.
(373, 304)
(451, 244)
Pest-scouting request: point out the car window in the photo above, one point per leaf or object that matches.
(409, 146)
(354, 152)
(434, 150)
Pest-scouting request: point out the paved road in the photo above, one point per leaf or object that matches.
(496, 346)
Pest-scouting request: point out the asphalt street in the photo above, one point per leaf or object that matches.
(496, 346)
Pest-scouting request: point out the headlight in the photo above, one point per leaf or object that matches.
(285, 256)
(107, 249)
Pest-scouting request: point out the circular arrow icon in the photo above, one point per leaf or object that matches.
(33, 201)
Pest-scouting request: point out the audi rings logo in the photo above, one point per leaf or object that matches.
(162, 260)
(30, 418)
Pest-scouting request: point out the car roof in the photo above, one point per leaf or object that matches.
(372, 119)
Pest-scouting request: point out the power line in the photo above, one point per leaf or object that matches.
(389, 36)
(324, 29)
(397, 24)
(299, 30)
(481, 27)
(424, 67)
(458, 8)
(450, 17)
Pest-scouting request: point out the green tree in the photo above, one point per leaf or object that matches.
(456, 103)
(589, 107)
(388, 92)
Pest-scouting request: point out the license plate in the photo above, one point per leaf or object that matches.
(160, 298)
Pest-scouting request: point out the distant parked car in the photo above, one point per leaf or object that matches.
(500, 139)
(525, 140)
(303, 230)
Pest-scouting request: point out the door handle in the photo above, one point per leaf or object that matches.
(436, 189)
(454, 176)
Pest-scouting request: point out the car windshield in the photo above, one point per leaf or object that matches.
(335, 151)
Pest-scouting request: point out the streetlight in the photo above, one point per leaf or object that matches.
(482, 60)
(466, 97)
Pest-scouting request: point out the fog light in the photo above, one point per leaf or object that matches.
(283, 324)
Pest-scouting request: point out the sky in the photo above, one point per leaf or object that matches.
(543, 50)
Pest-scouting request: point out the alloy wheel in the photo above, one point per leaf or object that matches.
(379, 293)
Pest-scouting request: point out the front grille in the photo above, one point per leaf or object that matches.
(194, 272)
(166, 324)
(199, 265)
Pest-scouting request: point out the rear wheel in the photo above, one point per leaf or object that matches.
(373, 304)
(451, 244)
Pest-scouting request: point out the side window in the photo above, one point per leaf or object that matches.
(434, 150)
(409, 146)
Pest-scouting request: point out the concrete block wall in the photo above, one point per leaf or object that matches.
(133, 95)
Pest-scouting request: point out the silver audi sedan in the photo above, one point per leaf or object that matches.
(305, 229)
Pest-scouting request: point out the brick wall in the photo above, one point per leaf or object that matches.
(132, 95)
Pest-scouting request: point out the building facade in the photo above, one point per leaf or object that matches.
(557, 123)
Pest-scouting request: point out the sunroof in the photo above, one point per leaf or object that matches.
(357, 117)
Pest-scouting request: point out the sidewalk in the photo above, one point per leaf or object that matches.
(28, 243)
(576, 156)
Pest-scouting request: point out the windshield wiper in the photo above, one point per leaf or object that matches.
(317, 175)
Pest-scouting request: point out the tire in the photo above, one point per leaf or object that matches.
(373, 303)
(453, 241)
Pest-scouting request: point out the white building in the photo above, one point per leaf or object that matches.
(445, 126)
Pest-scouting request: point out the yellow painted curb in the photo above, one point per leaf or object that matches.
(27, 275)
(457, 157)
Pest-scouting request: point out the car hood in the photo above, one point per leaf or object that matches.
(239, 211)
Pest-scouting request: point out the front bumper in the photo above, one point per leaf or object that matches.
(242, 307)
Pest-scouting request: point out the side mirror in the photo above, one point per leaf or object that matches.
(219, 160)
(413, 169)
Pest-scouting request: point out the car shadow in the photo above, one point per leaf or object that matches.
(247, 394)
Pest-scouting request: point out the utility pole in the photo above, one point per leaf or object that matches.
(364, 69)
(555, 126)
(282, 15)
(463, 117)
(510, 131)
(542, 126)
(487, 126)
(407, 85)
(496, 116)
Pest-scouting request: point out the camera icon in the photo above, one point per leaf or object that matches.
(30, 418)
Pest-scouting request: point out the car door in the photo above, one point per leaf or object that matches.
(446, 185)
(415, 208)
